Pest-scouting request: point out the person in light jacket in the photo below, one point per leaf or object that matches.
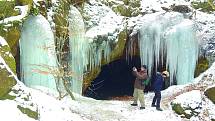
(139, 86)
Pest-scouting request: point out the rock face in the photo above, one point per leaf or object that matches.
(7, 77)
(181, 8)
(210, 94)
(188, 104)
(128, 8)
(5, 53)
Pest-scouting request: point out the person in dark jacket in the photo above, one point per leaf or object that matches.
(157, 85)
(138, 86)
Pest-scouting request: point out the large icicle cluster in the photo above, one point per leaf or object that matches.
(79, 47)
(103, 35)
(97, 52)
(169, 35)
(37, 53)
(83, 54)
(182, 51)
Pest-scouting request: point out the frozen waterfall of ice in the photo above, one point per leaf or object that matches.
(84, 53)
(182, 51)
(37, 53)
(169, 35)
(79, 47)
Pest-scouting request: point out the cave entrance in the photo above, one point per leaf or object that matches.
(114, 80)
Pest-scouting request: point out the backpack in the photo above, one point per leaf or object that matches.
(145, 82)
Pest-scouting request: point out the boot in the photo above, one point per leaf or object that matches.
(153, 105)
(133, 104)
(159, 109)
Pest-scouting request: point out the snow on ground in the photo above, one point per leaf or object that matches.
(23, 11)
(84, 109)
(49, 108)
(191, 99)
(99, 110)
(87, 109)
(10, 112)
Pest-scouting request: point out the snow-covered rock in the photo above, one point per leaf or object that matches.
(23, 11)
(188, 104)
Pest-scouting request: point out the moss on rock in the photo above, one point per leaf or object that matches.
(178, 109)
(123, 10)
(203, 6)
(7, 9)
(29, 112)
(182, 111)
(24, 2)
(118, 50)
(7, 56)
(128, 8)
(12, 38)
(202, 65)
(7, 96)
(210, 93)
(6, 81)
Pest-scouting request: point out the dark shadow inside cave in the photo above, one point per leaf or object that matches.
(116, 80)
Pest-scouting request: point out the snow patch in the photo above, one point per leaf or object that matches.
(10, 107)
(24, 12)
(2, 41)
(108, 24)
(189, 99)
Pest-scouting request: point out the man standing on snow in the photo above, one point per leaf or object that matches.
(139, 86)
(157, 85)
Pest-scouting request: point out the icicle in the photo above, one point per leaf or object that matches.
(151, 39)
(153, 44)
(182, 51)
(97, 52)
(107, 50)
(78, 49)
(130, 50)
(37, 53)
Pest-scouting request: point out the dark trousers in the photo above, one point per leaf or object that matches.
(157, 99)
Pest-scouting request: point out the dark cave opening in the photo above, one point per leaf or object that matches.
(116, 80)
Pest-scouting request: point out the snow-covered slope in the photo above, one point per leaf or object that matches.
(51, 108)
